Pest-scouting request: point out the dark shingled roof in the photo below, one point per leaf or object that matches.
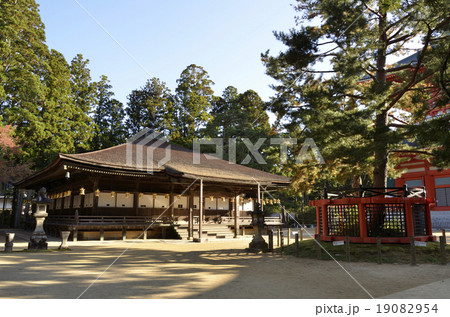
(179, 161)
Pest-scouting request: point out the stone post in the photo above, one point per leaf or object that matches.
(64, 237)
(9, 241)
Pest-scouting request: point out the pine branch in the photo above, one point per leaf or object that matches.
(404, 122)
(372, 10)
(396, 69)
(369, 74)
(411, 151)
(354, 96)
(319, 71)
(401, 126)
(404, 38)
(398, 22)
(399, 94)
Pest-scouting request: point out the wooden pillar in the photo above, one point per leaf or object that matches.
(4, 209)
(95, 204)
(200, 210)
(153, 205)
(236, 216)
(82, 203)
(428, 219)
(362, 220)
(413, 250)
(171, 203)
(63, 203)
(72, 197)
(409, 219)
(17, 208)
(261, 199)
(258, 195)
(136, 203)
(270, 233)
(190, 215)
(380, 260)
(324, 220)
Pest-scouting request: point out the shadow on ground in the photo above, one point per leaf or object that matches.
(209, 270)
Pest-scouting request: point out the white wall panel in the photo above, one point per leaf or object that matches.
(123, 201)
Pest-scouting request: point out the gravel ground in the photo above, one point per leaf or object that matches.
(178, 269)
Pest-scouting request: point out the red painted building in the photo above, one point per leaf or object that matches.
(421, 173)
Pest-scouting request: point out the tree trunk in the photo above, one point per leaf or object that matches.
(381, 128)
(381, 156)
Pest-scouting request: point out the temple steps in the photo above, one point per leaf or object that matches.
(209, 231)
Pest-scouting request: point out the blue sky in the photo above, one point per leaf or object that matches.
(224, 37)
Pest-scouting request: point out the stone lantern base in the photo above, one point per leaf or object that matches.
(38, 242)
(258, 244)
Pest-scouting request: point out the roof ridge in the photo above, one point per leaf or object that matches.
(92, 152)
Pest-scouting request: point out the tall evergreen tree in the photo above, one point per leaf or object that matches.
(55, 132)
(23, 63)
(237, 117)
(194, 96)
(83, 95)
(353, 109)
(151, 106)
(109, 117)
(23, 55)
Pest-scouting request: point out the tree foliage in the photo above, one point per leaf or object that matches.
(109, 117)
(361, 110)
(151, 106)
(239, 118)
(193, 97)
(83, 95)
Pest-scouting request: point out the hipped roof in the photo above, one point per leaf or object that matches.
(176, 161)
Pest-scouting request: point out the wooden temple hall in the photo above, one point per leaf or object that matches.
(118, 192)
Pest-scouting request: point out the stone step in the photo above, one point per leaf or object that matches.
(210, 231)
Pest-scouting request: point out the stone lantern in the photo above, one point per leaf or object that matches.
(258, 243)
(38, 240)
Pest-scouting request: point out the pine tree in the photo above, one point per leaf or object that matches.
(83, 95)
(361, 110)
(109, 117)
(193, 96)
